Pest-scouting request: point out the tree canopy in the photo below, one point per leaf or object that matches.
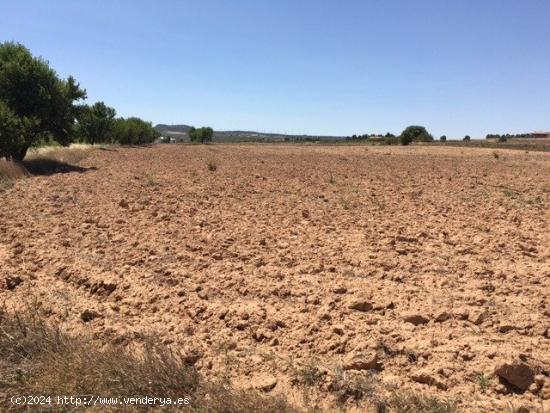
(35, 104)
(201, 135)
(96, 122)
(415, 133)
(133, 131)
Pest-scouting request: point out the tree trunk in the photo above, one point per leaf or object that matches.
(19, 155)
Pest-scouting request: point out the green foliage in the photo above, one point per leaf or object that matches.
(415, 133)
(388, 137)
(483, 382)
(467, 138)
(133, 131)
(201, 135)
(12, 132)
(357, 137)
(443, 139)
(36, 103)
(95, 123)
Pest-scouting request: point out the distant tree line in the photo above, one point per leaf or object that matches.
(413, 133)
(367, 136)
(37, 106)
(504, 137)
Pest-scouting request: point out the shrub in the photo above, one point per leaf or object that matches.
(133, 131)
(415, 133)
(467, 138)
(443, 139)
(35, 103)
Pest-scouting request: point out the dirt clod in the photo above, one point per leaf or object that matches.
(517, 374)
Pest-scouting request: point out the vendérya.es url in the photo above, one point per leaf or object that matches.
(92, 400)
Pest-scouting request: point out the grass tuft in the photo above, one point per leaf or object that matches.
(411, 402)
(9, 173)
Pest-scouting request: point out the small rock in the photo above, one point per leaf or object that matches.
(429, 378)
(123, 204)
(415, 318)
(340, 290)
(467, 355)
(109, 286)
(242, 325)
(365, 361)
(13, 281)
(504, 328)
(517, 374)
(478, 317)
(540, 379)
(283, 244)
(442, 316)
(305, 213)
(262, 335)
(265, 383)
(192, 356)
(383, 305)
(360, 305)
(338, 329)
(461, 314)
(89, 315)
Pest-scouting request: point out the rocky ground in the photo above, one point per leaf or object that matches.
(334, 274)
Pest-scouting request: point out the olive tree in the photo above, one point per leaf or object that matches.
(96, 122)
(415, 133)
(35, 103)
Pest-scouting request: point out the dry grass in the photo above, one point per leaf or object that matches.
(38, 359)
(411, 402)
(44, 161)
(9, 173)
(71, 155)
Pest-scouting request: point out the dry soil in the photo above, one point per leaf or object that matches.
(299, 269)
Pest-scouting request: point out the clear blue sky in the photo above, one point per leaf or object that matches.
(318, 67)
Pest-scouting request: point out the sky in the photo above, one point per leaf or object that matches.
(318, 67)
